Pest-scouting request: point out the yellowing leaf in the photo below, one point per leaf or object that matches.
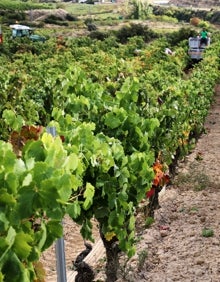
(71, 162)
(47, 139)
(109, 235)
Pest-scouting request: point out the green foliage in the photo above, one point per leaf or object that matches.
(53, 19)
(34, 192)
(11, 16)
(17, 5)
(163, 18)
(142, 256)
(204, 24)
(98, 35)
(139, 9)
(115, 110)
(149, 221)
(132, 30)
(176, 37)
(206, 232)
(185, 15)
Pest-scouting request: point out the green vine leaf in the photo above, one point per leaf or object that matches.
(74, 209)
(6, 244)
(13, 120)
(115, 118)
(88, 195)
(22, 245)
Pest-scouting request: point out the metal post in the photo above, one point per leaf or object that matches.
(60, 260)
(60, 248)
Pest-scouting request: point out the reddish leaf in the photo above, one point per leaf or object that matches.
(150, 193)
(157, 166)
(31, 132)
(62, 138)
(160, 177)
(17, 142)
(166, 178)
(28, 132)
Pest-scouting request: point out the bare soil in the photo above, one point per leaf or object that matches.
(183, 243)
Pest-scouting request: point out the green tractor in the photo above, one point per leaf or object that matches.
(23, 30)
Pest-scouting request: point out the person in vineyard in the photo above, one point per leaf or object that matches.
(169, 52)
(203, 37)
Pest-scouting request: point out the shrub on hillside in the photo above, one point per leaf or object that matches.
(186, 15)
(215, 17)
(10, 17)
(132, 30)
(99, 35)
(177, 36)
(23, 5)
(52, 19)
(204, 24)
(164, 18)
(194, 21)
(71, 18)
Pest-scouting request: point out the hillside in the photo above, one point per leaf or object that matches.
(196, 3)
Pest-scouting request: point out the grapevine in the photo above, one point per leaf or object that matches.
(112, 120)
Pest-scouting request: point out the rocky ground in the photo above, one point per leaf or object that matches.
(183, 243)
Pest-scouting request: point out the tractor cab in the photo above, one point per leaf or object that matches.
(196, 47)
(25, 31)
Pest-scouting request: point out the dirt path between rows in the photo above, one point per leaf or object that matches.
(183, 244)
